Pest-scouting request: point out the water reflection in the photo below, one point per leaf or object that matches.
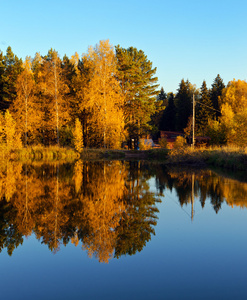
(106, 207)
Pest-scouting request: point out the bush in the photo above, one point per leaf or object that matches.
(180, 142)
(163, 142)
(145, 144)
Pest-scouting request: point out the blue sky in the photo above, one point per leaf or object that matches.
(191, 39)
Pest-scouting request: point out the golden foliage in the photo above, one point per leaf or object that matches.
(103, 96)
(78, 136)
(234, 112)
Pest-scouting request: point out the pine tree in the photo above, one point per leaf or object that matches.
(183, 103)
(215, 93)
(168, 120)
(12, 66)
(204, 109)
(136, 75)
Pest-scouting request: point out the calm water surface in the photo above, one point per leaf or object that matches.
(121, 230)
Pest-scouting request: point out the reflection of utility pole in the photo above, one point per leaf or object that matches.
(193, 123)
(192, 196)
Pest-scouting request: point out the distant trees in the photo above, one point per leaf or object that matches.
(168, 118)
(204, 109)
(216, 92)
(183, 104)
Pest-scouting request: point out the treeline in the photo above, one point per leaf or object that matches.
(108, 98)
(220, 111)
(101, 99)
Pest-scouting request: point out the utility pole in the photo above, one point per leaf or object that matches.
(193, 123)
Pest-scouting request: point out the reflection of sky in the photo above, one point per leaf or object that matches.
(203, 259)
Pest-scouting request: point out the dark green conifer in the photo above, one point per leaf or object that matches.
(12, 66)
(204, 109)
(215, 92)
(136, 76)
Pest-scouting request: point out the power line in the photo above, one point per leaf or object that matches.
(208, 106)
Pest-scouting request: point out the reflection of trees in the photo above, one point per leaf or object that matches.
(139, 219)
(208, 185)
(105, 206)
(92, 203)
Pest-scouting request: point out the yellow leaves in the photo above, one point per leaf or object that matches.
(78, 175)
(235, 95)
(103, 96)
(8, 132)
(78, 136)
(234, 112)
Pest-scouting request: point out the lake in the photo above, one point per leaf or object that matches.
(121, 230)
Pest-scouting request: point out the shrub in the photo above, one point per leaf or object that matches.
(180, 142)
(163, 142)
(145, 144)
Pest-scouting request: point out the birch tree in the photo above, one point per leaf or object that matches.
(103, 97)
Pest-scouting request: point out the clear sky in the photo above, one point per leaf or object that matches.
(193, 39)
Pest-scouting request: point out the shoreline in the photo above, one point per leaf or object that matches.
(229, 158)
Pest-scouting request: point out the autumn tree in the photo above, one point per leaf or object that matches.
(25, 109)
(233, 104)
(80, 83)
(9, 136)
(52, 90)
(103, 96)
(78, 136)
(139, 85)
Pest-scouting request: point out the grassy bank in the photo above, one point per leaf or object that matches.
(226, 157)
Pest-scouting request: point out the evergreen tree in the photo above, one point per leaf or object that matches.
(2, 70)
(168, 120)
(215, 93)
(12, 67)
(162, 97)
(138, 83)
(183, 103)
(156, 117)
(204, 109)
